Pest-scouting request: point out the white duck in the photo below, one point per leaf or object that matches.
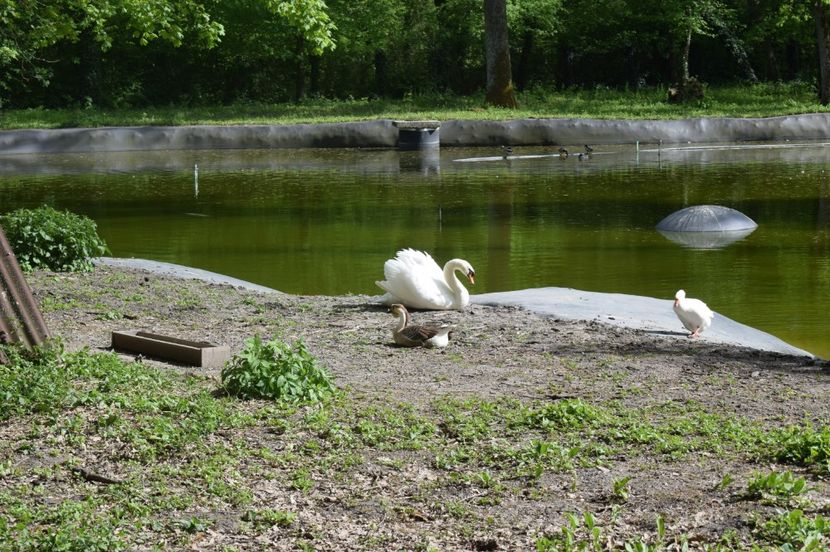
(414, 279)
(423, 335)
(693, 313)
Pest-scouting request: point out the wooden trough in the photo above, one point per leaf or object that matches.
(196, 353)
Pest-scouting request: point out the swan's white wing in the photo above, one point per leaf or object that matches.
(415, 279)
(418, 261)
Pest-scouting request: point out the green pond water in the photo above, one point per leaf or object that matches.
(323, 222)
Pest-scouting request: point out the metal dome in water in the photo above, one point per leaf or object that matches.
(706, 226)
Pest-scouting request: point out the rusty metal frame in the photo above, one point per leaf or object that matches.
(20, 317)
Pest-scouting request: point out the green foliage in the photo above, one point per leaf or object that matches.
(275, 370)
(72, 525)
(33, 380)
(268, 517)
(135, 52)
(584, 534)
(310, 20)
(776, 486)
(569, 413)
(762, 100)
(796, 531)
(44, 238)
(804, 445)
(622, 489)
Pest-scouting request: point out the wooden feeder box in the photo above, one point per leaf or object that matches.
(196, 353)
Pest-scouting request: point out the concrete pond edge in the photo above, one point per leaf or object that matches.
(384, 134)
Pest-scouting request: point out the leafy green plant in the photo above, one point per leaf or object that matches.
(269, 517)
(621, 488)
(275, 370)
(776, 486)
(725, 481)
(796, 531)
(44, 238)
(568, 413)
(804, 446)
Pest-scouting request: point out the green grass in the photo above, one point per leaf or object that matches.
(190, 459)
(761, 100)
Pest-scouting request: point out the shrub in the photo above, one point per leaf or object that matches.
(689, 90)
(275, 370)
(44, 238)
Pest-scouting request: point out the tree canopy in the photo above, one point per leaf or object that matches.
(59, 53)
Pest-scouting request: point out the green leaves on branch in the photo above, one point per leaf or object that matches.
(311, 21)
(275, 370)
(44, 238)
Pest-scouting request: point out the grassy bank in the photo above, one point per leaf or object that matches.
(609, 449)
(763, 100)
(102, 454)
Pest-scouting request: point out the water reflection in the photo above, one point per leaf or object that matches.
(706, 240)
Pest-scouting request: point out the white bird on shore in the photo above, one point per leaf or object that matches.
(418, 335)
(415, 280)
(693, 313)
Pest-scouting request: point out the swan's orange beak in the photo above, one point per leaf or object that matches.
(676, 302)
(472, 277)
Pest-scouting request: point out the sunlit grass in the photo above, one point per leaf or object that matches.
(761, 100)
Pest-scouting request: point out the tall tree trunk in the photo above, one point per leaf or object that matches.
(499, 79)
(684, 57)
(821, 13)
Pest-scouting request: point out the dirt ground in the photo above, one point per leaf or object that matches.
(495, 352)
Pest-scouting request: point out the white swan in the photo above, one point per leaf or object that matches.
(414, 279)
(693, 313)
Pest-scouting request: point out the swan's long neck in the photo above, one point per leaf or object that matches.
(457, 288)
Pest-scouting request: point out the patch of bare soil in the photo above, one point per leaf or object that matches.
(496, 352)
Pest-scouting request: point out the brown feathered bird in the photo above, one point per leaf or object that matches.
(417, 335)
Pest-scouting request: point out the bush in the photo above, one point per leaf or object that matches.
(44, 238)
(275, 370)
(690, 90)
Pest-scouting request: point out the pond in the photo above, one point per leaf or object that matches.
(324, 221)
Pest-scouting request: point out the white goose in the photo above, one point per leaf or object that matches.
(418, 335)
(693, 313)
(414, 279)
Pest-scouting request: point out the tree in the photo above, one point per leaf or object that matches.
(312, 35)
(536, 23)
(821, 14)
(29, 28)
(497, 52)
